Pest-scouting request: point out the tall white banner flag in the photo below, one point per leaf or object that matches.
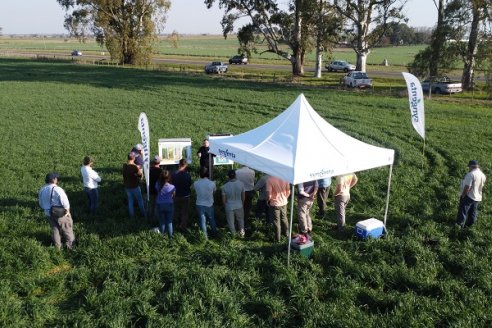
(416, 100)
(143, 127)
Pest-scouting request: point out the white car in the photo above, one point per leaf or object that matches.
(340, 65)
(442, 85)
(357, 79)
(216, 67)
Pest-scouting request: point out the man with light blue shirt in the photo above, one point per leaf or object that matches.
(322, 195)
(205, 189)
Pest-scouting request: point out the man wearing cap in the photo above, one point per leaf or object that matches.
(131, 180)
(54, 201)
(154, 174)
(138, 151)
(470, 195)
(233, 199)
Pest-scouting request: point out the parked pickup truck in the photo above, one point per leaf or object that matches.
(441, 85)
(357, 79)
(216, 67)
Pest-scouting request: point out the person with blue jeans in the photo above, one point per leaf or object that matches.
(131, 180)
(470, 195)
(205, 189)
(90, 179)
(165, 203)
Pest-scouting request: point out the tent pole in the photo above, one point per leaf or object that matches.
(388, 195)
(290, 225)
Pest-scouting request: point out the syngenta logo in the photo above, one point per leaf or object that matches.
(144, 139)
(414, 102)
(322, 173)
(226, 153)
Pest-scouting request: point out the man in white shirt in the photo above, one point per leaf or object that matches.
(470, 195)
(205, 189)
(54, 201)
(90, 179)
(247, 177)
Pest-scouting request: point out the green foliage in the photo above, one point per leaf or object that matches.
(360, 16)
(424, 273)
(127, 28)
(446, 62)
(398, 34)
(289, 33)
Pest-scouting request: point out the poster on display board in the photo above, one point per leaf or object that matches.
(172, 150)
(221, 160)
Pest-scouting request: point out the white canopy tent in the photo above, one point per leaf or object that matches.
(298, 146)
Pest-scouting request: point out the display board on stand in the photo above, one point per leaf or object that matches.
(172, 150)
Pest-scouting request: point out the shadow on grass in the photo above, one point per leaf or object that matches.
(113, 77)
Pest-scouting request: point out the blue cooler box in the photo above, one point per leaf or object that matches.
(372, 228)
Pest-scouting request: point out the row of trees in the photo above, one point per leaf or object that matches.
(463, 32)
(400, 34)
(309, 24)
(128, 29)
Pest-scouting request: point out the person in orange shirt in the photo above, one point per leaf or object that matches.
(342, 196)
(278, 192)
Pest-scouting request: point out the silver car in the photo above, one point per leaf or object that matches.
(340, 65)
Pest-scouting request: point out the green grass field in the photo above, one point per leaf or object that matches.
(425, 273)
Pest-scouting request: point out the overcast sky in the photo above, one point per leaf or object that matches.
(185, 16)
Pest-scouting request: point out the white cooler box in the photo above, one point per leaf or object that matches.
(372, 228)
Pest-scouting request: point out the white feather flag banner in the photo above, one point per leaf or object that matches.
(143, 127)
(416, 100)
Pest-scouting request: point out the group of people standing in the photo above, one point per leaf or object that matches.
(170, 197)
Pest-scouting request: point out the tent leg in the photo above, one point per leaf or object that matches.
(388, 196)
(290, 225)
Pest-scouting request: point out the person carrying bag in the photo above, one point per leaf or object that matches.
(54, 201)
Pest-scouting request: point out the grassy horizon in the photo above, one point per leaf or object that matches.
(213, 47)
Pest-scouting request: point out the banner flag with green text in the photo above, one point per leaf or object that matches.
(143, 127)
(416, 100)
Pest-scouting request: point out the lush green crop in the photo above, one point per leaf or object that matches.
(424, 273)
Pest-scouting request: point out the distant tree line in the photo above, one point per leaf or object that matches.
(400, 34)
